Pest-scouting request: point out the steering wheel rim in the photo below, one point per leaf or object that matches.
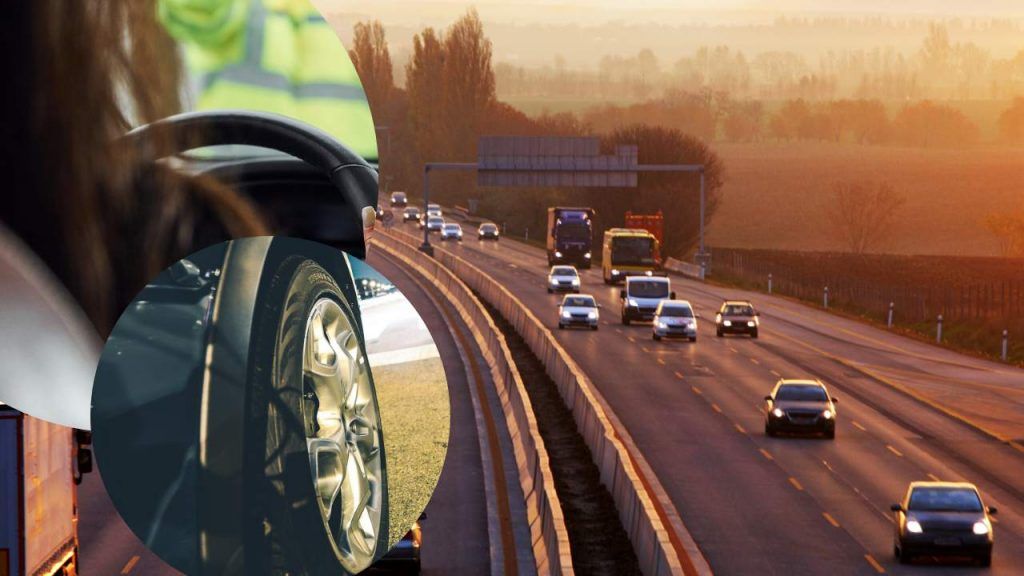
(354, 177)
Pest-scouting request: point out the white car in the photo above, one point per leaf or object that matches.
(642, 296)
(433, 209)
(675, 318)
(578, 310)
(451, 232)
(435, 223)
(563, 279)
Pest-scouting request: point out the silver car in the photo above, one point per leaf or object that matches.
(675, 318)
(451, 232)
(578, 310)
(435, 223)
(433, 209)
(563, 279)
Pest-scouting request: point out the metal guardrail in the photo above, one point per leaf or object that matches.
(685, 268)
(660, 550)
(550, 539)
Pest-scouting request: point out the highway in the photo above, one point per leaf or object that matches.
(758, 505)
(455, 531)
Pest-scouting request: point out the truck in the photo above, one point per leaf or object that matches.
(653, 223)
(38, 498)
(629, 252)
(569, 236)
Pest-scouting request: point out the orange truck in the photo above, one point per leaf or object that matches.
(653, 223)
(38, 507)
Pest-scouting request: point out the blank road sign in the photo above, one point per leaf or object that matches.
(572, 161)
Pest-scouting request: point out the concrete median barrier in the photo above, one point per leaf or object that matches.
(550, 539)
(660, 541)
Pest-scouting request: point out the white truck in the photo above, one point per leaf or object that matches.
(38, 507)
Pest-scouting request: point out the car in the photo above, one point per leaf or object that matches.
(433, 223)
(578, 310)
(487, 231)
(434, 210)
(642, 295)
(411, 214)
(399, 199)
(737, 317)
(563, 279)
(943, 519)
(800, 406)
(451, 231)
(675, 318)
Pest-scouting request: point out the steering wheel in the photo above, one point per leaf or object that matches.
(350, 174)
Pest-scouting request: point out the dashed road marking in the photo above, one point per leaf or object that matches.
(890, 448)
(858, 425)
(716, 408)
(130, 564)
(619, 330)
(734, 350)
(830, 519)
(874, 563)
(796, 483)
(740, 428)
(696, 390)
(631, 339)
(775, 373)
(660, 361)
(679, 375)
(645, 349)
(934, 477)
(755, 361)
(766, 454)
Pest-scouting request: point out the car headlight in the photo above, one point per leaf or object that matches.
(726, 322)
(750, 323)
(575, 281)
(558, 254)
(649, 273)
(827, 414)
(914, 527)
(662, 325)
(553, 281)
(981, 527)
(592, 315)
(586, 255)
(778, 413)
(615, 272)
(633, 303)
(566, 315)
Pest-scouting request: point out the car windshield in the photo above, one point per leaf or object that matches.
(581, 301)
(398, 196)
(632, 251)
(412, 211)
(676, 311)
(436, 220)
(738, 310)
(648, 289)
(573, 231)
(944, 500)
(488, 227)
(433, 207)
(451, 227)
(563, 271)
(801, 393)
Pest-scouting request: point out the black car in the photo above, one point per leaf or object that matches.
(943, 519)
(737, 317)
(487, 231)
(399, 199)
(800, 406)
(411, 214)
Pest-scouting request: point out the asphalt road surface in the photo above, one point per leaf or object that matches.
(787, 505)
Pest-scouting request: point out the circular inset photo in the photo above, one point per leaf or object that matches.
(251, 412)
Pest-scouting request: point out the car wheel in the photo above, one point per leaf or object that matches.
(768, 430)
(718, 333)
(561, 326)
(319, 443)
(625, 321)
(753, 334)
(549, 290)
(693, 339)
(830, 434)
(594, 327)
(656, 337)
(903, 556)
(985, 560)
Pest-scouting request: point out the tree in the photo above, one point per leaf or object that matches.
(927, 124)
(1008, 229)
(863, 215)
(423, 81)
(1011, 122)
(468, 80)
(372, 60)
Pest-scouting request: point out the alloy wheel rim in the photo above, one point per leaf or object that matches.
(342, 427)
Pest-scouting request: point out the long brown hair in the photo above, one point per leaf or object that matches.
(102, 217)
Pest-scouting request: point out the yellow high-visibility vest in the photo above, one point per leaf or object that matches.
(273, 55)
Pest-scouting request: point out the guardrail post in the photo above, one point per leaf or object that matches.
(526, 236)
(888, 322)
(769, 283)
(1006, 341)
(938, 330)
(826, 297)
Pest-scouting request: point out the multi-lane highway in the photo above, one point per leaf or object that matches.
(757, 505)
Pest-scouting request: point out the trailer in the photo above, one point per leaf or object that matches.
(38, 498)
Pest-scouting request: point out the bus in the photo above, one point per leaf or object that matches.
(629, 252)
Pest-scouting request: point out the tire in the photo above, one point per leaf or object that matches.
(549, 290)
(830, 434)
(768, 430)
(594, 327)
(625, 321)
(295, 291)
(985, 560)
(693, 339)
(656, 337)
(561, 326)
(719, 333)
(754, 334)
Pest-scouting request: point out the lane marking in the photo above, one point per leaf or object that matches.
(890, 448)
(830, 519)
(678, 375)
(796, 484)
(696, 390)
(766, 454)
(734, 350)
(716, 408)
(934, 477)
(645, 349)
(739, 428)
(858, 425)
(874, 563)
(631, 339)
(619, 330)
(755, 361)
(130, 564)
(660, 361)
(776, 374)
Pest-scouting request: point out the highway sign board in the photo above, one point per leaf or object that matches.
(571, 161)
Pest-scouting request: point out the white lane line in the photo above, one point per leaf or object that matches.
(766, 454)
(696, 390)
(679, 375)
(934, 477)
(739, 428)
(776, 374)
(858, 425)
(631, 339)
(130, 564)
(716, 408)
(830, 519)
(660, 361)
(796, 484)
(874, 563)
(890, 448)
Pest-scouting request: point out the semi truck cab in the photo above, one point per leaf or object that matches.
(569, 236)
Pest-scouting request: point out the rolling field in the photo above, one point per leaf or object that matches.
(776, 194)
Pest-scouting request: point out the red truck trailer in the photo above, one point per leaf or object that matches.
(653, 223)
(38, 507)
